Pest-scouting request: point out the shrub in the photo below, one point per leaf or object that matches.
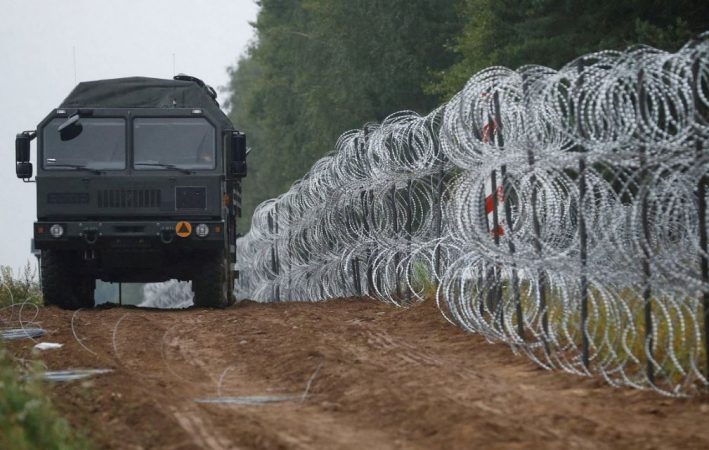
(24, 286)
(27, 417)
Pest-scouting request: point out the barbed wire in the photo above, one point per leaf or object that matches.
(560, 212)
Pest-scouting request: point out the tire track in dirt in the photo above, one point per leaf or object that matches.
(380, 377)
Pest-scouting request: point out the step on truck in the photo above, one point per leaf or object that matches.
(138, 180)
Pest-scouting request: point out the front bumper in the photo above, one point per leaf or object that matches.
(128, 234)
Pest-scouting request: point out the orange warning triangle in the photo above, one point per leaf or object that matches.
(183, 229)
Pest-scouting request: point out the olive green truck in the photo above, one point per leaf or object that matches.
(138, 180)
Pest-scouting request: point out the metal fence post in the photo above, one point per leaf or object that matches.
(365, 204)
(355, 276)
(583, 241)
(395, 214)
(701, 198)
(370, 278)
(409, 231)
(356, 282)
(272, 229)
(277, 257)
(290, 254)
(647, 274)
(541, 278)
(536, 241)
(494, 296)
(439, 223)
(583, 255)
(702, 186)
(514, 282)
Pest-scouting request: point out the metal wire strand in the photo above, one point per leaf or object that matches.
(558, 212)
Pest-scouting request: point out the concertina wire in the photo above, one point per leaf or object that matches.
(560, 212)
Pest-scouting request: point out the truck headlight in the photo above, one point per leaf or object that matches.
(56, 231)
(202, 230)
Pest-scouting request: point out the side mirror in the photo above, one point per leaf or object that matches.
(23, 166)
(22, 147)
(23, 170)
(238, 154)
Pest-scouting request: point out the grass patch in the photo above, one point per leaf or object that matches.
(20, 287)
(422, 282)
(622, 346)
(617, 330)
(27, 418)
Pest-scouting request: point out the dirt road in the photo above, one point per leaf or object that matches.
(354, 374)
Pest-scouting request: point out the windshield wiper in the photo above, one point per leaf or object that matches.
(76, 167)
(167, 166)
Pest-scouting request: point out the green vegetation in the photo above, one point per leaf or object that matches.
(318, 68)
(19, 288)
(27, 418)
(422, 282)
(551, 33)
(617, 330)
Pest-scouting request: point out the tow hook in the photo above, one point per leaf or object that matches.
(89, 233)
(166, 236)
(90, 236)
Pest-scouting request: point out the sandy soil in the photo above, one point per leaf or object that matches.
(359, 375)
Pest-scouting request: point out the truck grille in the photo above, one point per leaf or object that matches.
(129, 198)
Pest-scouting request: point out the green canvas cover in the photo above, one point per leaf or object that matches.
(142, 92)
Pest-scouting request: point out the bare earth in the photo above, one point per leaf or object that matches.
(363, 375)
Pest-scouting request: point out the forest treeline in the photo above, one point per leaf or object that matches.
(317, 68)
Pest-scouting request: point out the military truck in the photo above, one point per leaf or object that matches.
(138, 180)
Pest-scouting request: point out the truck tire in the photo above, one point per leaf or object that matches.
(59, 286)
(211, 283)
(85, 290)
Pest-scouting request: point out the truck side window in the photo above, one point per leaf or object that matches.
(94, 143)
(187, 143)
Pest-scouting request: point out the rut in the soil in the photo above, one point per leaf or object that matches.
(375, 376)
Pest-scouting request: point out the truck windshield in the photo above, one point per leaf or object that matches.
(89, 143)
(169, 143)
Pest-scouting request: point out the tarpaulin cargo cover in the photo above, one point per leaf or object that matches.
(142, 92)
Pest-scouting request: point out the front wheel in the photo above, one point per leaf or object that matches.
(212, 283)
(62, 283)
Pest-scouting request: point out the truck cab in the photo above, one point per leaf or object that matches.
(138, 180)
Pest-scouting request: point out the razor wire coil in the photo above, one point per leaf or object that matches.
(560, 212)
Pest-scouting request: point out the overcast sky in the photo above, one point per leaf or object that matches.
(38, 41)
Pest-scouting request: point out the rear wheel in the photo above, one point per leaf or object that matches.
(212, 283)
(61, 284)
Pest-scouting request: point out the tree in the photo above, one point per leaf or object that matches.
(513, 33)
(319, 68)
